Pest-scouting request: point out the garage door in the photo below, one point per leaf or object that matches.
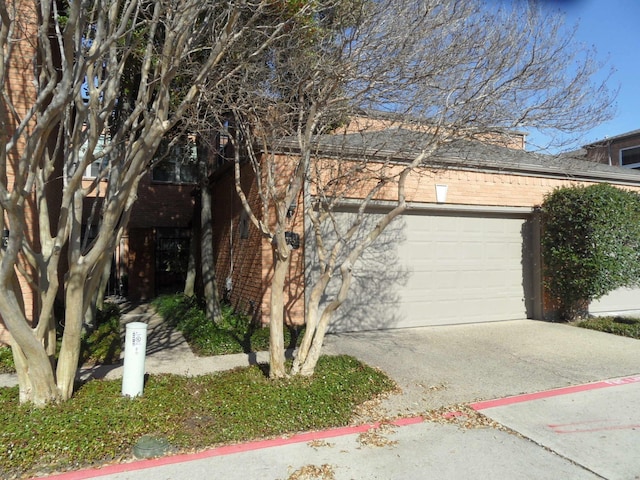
(623, 301)
(439, 270)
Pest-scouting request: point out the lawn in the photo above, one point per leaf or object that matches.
(623, 326)
(98, 426)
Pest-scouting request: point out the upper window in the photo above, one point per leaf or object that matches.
(630, 157)
(102, 160)
(176, 164)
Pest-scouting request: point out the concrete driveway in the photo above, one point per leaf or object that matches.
(573, 391)
(439, 366)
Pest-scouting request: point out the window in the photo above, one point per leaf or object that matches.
(176, 164)
(102, 160)
(630, 157)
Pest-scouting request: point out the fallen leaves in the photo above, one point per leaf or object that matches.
(313, 472)
(377, 437)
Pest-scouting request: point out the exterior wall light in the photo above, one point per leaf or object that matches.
(292, 239)
(441, 193)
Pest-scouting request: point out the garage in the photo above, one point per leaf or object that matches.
(623, 301)
(441, 268)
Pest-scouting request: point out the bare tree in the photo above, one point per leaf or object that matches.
(100, 81)
(448, 71)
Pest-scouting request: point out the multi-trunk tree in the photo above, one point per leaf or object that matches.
(99, 82)
(452, 71)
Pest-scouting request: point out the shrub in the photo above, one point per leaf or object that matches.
(590, 244)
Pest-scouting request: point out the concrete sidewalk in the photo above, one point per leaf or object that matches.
(414, 450)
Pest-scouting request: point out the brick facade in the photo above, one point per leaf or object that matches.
(252, 259)
(21, 91)
(608, 151)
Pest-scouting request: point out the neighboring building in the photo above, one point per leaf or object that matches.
(472, 257)
(620, 150)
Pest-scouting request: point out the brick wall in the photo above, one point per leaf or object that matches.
(610, 150)
(237, 243)
(141, 263)
(162, 205)
(21, 91)
(248, 262)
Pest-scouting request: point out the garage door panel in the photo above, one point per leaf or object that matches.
(623, 301)
(436, 270)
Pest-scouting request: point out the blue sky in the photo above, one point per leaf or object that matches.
(611, 26)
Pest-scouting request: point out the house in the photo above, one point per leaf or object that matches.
(620, 150)
(466, 250)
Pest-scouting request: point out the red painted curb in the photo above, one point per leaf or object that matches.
(501, 402)
(225, 450)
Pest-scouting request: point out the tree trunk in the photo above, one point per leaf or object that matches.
(276, 323)
(207, 264)
(190, 281)
(97, 300)
(70, 348)
(33, 366)
(307, 365)
(311, 316)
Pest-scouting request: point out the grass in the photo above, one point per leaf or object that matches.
(623, 326)
(99, 426)
(6, 360)
(234, 333)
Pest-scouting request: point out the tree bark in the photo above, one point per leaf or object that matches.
(207, 261)
(97, 300)
(35, 375)
(70, 347)
(276, 323)
(190, 280)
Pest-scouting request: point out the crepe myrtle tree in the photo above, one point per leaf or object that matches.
(590, 244)
(93, 82)
(457, 69)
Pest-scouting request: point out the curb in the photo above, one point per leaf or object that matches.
(501, 402)
(227, 450)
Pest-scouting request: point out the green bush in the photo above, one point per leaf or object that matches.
(590, 244)
(234, 333)
(99, 426)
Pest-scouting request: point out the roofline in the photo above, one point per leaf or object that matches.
(607, 140)
(621, 177)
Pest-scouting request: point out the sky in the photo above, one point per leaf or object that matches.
(611, 27)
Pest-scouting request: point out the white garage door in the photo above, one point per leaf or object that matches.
(439, 270)
(623, 301)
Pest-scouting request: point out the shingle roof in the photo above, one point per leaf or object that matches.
(632, 133)
(398, 144)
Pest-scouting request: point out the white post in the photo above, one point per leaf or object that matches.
(135, 349)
